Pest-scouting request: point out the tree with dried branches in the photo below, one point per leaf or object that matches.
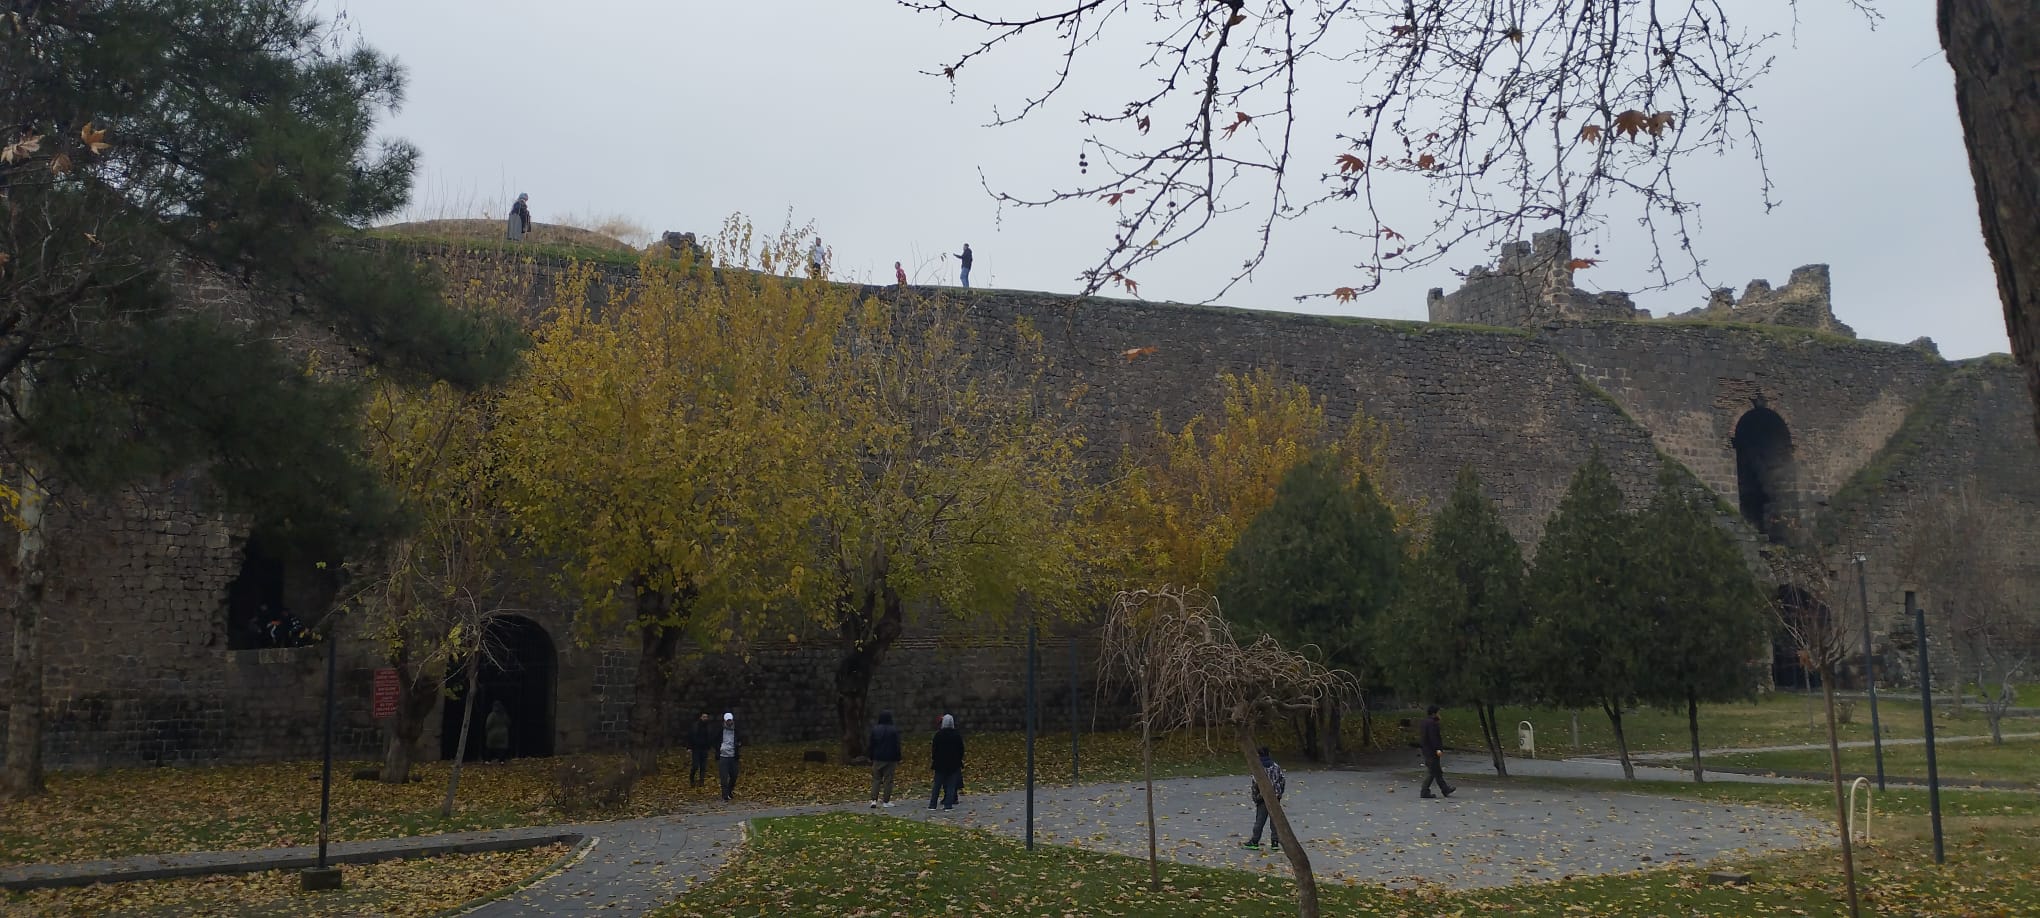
(1190, 672)
(1820, 631)
(1958, 551)
(1500, 115)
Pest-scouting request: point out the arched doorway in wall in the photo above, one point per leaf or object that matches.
(1764, 470)
(521, 677)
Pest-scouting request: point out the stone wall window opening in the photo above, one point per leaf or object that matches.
(522, 677)
(259, 611)
(1764, 471)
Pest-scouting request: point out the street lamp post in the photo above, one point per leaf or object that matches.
(326, 876)
(1870, 668)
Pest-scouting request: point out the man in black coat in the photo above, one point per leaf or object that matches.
(947, 763)
(1431, 739)
(885, 759)
(700, 741)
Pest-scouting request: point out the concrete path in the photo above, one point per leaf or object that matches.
(1361, 826)
(1590, 767)
(1822, 747)
(1371, 827)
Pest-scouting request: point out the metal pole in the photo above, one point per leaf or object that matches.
(1870, 670)
(1927, 705)
(1030, 735)
(326, 774)
(1074, 758)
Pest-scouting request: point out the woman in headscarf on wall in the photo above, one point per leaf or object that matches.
(520, 218)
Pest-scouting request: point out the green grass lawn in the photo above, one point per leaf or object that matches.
(855, 864)
(2016, 760)
(1779, 719)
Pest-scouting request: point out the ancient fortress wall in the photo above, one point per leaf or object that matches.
(140, 669)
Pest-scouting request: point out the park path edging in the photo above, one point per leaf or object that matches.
(206, 863)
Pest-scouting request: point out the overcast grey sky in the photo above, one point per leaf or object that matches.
(675, 113)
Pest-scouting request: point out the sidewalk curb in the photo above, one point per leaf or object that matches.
(58, 876)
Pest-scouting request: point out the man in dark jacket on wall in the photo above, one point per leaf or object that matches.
(948, 764)
(700, 741)
(885, 759)
(1431, 739)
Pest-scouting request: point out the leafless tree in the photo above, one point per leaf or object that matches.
(1958, 556)
(1820, 630)
(1506, 113)
(1190, 672)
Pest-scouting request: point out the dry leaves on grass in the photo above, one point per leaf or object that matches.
(397, 889)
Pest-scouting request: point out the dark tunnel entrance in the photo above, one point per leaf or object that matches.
(520, 678)
(1764, 471)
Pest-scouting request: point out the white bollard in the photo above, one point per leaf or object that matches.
(1526, 739)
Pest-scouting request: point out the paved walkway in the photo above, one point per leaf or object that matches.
(1361, 826)
(1822, 747)
(1371, 827)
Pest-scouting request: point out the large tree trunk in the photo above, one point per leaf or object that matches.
(1299, 861)
(648, 708)
(1693, 724)
(1621, 741)
(417, 694)
(23, 773)
(868, 624)
(1827, 686)
(1994, 48)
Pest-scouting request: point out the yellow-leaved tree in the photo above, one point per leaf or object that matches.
(1180, 503)
(952, 483)
(661, 447)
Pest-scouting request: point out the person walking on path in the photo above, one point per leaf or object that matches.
(520, 218)
(885, 759)
(1280, 782)
(701, 739)
(1431, 739)
(899, 273)
(817, 258)
(947, 763)
(726, 756)
(964, 257)
(496, 731)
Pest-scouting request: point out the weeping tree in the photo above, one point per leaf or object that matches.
(1189, 671)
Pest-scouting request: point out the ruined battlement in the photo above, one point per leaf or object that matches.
(1530, 285)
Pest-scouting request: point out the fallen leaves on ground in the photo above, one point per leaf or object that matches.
(396, 889)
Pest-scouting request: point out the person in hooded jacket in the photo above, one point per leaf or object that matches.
(701, 739)
(520, 218)
(885, 759)
(947, 762)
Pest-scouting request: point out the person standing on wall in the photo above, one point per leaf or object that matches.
(965, 258)
(520, 218)
(885, 759)
(947, 763)
(701, 740)
(726, 756)
(899, 273)
(1431, 739)
(817, 259)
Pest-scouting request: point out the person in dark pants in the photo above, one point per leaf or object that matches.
(947, 763)
(726, 756)
(701, 741)
(1431, 739)
(964, 257)
(885, 759)
(1281, 783)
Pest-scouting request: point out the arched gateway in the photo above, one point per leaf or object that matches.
(522, 678)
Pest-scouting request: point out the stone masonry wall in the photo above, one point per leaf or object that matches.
(139, 672)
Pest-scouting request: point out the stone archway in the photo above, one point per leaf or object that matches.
(522, 679)
(1765, 471)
